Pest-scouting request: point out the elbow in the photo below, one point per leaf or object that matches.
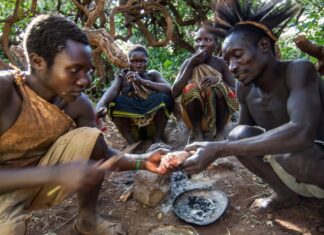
(168, 90)
(175, 92)
(305, 137)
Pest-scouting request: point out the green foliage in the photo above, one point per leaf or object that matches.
(310, 24)
(167, 61)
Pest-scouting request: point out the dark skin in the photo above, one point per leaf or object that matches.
(205, 45)
(151, 79)
(284, 98)
(63, 85)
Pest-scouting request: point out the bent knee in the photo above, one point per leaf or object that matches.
(244, 131)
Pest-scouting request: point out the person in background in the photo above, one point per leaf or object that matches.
(206, 87)
(139, 101)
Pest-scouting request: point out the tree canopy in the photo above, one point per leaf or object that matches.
(164, 26)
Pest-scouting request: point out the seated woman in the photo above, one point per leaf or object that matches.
(206, 87)
(139, 101)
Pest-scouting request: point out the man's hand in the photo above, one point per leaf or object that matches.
(205, 153)
(77, 176)
(153, 161)
(132, 76)
(171, 161)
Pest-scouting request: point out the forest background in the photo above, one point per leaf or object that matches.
(165, 27)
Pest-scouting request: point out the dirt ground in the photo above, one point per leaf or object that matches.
(240, 186)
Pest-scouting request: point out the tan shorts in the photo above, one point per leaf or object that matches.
(15, 206)
(303, 189)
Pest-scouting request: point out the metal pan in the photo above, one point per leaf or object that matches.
(200, 206)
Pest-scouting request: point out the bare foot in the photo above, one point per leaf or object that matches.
(272, 203)
(98, 226)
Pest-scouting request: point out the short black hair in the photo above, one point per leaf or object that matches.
(137, 48)
(47, 35)
(274, 15)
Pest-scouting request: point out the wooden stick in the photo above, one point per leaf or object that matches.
(111, 161)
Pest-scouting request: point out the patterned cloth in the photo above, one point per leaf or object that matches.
(207, 96)
(139, 103)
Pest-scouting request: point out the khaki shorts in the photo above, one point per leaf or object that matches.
(15, 206)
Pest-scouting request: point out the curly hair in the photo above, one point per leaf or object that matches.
(257, 19)
(47, 35)
(137, 48)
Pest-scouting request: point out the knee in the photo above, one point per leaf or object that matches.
(100, 148)
(244, 131)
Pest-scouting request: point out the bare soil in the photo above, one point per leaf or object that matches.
(228, 175)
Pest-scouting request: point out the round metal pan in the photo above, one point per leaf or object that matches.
(200, 206)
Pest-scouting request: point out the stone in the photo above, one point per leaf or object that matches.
(150, 189)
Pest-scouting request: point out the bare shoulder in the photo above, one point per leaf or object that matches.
(300, 72)
(6, 81)
(219, 64)
(6, 85)
(81, 111)
(155, 75)
(220, 60)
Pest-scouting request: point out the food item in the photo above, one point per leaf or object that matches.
(174, 159)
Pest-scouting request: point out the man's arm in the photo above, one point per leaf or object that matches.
(81, 175)
(182, 78)
(158, 83)
(110, 94)
(303, 108)
(82, 111)
(186, 72)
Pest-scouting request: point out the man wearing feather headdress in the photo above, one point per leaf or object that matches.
(281, 128)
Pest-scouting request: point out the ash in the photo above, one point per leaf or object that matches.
(180, 182)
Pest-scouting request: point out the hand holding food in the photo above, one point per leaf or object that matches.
(172, 160)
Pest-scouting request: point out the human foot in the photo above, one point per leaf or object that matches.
(98, 226)
(273, 203)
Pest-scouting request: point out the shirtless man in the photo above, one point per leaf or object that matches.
(45, 120)
(281, 126)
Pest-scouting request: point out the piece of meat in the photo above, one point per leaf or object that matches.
(174, 159)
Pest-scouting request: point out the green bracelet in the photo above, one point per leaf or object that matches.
(138, 164)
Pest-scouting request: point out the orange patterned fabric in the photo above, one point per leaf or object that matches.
(35, 130)
(207, 96)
